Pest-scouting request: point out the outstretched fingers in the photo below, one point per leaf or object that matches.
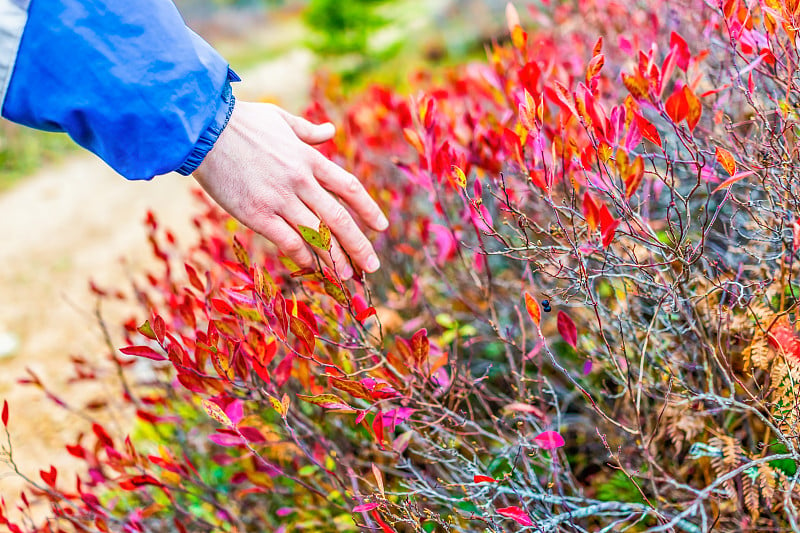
(347, 187)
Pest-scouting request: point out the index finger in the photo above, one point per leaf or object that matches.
(347, 187)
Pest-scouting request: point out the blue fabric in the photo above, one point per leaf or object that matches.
(125, 79)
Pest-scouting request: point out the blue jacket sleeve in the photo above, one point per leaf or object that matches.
(125, 79)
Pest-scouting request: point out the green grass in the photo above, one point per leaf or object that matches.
(23, 151)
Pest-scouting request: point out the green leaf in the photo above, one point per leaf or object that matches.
(329, 401)
(312, 237)
(146, 330)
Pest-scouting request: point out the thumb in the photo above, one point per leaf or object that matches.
(309, 132)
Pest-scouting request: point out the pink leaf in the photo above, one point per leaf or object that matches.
(223, 439)
(143, 351)
(526, 408)
(517, 514)
(549, 440)
(567, 329)
(235, 411)
(364, 507)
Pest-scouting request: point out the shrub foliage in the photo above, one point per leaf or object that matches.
(584, 321)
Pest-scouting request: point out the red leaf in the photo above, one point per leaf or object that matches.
(484, 479)
(279, 308)
(102, 435)
(159, 328)
(677, 43)
(533, 309)
(134, 482)
(76, 451)
(194, 279)
(517, 514)
(386, 528)
(649, 131)
(549, 440)
(377, 427)
(567, 329)
(590, 211)
(49, 477)
(5, 413)
(677, 107)
(608, 231)
(564, 98)
(303, 332)
(222, 306)
(726, 160)
(252, 434)
(365, 314)
(143, 351)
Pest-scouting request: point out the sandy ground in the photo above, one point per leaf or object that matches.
(70, 223)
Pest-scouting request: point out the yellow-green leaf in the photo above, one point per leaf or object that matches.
(325, 236)
(311, 236)
(460, 178)
(216, 412)
(240, 253)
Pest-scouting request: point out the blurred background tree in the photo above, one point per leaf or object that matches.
(342, 28)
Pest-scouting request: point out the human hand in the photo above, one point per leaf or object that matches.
(263, 171)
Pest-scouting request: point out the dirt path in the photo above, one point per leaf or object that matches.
(74, 222)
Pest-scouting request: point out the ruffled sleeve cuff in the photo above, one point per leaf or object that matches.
(212, 133)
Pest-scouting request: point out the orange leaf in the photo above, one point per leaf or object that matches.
(598, 47)
(730, 181)
(590, 211)
(726, 160)
(637, 85)
(593, 69)
(649, 131)
(533, 309)
(634, 177)
(677, 107)
(694, 108)
(414, 140)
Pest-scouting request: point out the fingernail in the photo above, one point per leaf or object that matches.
(383, 223)
(347, 272)
(373, 263)
(328, 129)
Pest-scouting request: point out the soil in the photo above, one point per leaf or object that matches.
(70, 223)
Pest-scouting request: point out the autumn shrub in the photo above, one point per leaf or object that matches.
(585, 318)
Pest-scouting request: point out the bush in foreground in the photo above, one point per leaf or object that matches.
(584, 321)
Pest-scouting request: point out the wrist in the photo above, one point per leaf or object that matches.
(212, 133)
